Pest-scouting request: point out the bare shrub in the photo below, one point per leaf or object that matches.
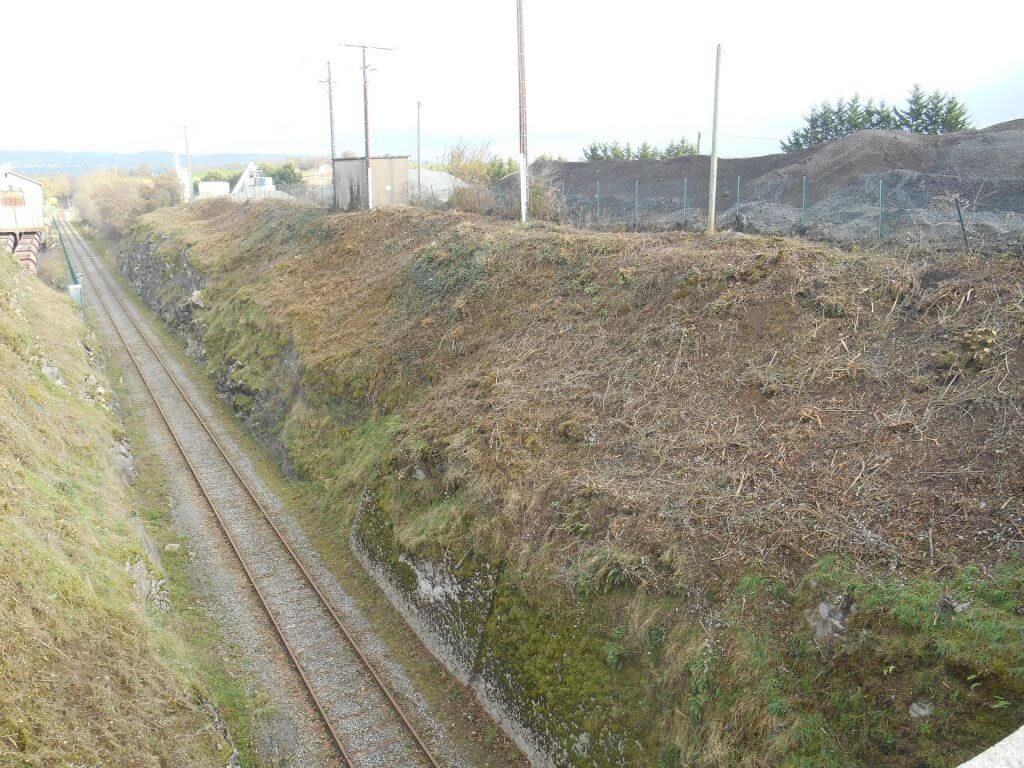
(478, 169)
(115, 201)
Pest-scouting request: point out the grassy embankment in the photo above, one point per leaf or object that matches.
(672, 451)
(90, 672)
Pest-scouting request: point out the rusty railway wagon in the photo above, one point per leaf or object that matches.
(27, 251)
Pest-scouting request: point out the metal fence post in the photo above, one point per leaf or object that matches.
(67, 259)
(803, 206)
(684, 201)
(636, 205)
(738, 180)
(881, 187)
(963, 229)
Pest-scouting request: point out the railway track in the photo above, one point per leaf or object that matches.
(361, 716)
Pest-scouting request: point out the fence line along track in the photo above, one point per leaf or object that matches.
(303, 594)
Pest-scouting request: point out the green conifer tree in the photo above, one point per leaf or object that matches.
(913, 117)
(955, 117)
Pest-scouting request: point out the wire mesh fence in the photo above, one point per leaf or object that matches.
(887, 205)
(893, 205)
(319, 195)
(322, 195)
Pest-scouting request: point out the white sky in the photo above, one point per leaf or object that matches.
(125, 76)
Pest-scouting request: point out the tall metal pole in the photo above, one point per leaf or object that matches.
(366, 132)
(188, 159)
(330, 109)
(524, 183)
(419, 155)
(713, 177)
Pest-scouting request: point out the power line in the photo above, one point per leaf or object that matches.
(751, 138)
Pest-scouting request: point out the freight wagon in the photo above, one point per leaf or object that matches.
(27, 251)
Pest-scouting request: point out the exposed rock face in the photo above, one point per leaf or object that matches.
(829, 620)
(921, 709)
(264, 409)
(449, 612)
(170, 286)
(148, 589)
(125, 461)
(52, 372)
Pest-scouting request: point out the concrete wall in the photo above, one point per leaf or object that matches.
(390, 181)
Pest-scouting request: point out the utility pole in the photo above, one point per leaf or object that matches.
(188, 161)
(419, 156)
(698, 142)
(713, 179)
(330, 109)
(366, 117)
(524, 182)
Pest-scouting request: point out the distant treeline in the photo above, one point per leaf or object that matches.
(926, 113)
(603, 150)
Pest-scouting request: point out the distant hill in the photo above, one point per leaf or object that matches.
(49, 163)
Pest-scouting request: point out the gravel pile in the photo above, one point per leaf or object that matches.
(921, 177)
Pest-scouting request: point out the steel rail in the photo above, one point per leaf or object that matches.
(82, 248)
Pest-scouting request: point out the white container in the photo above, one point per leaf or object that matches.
(213, 189)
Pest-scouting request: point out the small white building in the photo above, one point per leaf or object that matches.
(389, 182)
(209, 189)
(21, 203)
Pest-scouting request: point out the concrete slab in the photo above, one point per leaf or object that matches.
(1008, 753)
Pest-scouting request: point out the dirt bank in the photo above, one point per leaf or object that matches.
(669, 500)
